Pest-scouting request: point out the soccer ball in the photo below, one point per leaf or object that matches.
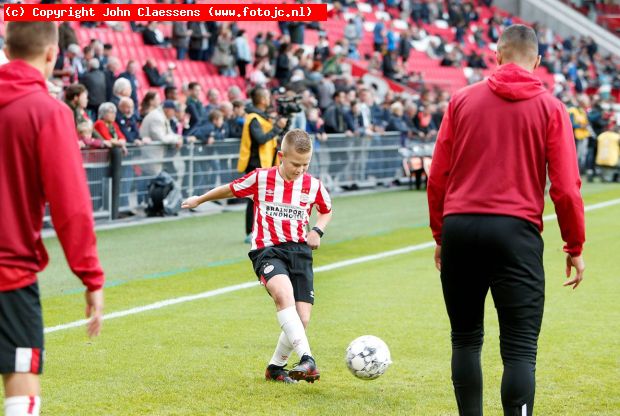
(367, 357)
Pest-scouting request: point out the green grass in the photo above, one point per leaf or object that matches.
(208, 356)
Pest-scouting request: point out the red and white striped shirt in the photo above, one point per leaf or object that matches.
(281, 208)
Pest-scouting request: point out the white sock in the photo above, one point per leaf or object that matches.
(282, 352)
(22, 406)
(294, 330)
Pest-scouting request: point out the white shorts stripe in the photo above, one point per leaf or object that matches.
(23, 360)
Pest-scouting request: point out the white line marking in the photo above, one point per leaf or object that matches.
(234, 288)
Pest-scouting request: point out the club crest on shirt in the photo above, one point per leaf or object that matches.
(304, 198)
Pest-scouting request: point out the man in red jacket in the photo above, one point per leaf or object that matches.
(39, 162)
(497, 142)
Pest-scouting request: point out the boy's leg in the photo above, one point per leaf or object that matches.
(22, 394)
(284, 348)
(21, 347)
(281, 290)
(302, 280)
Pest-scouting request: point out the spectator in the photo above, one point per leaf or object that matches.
(226, 108)
(155, 78)
(283, 64)
(397, 123)
(321, 51)
(156, 126)
(378, 35)
(171, 93)
(107, 127)
(243, 55)
(66, 36)
(127, 121)
(235, 123)
(425, 122)
(336, 118)
(180, 38)
(121, 88)
(76, 97)
(107, 50)
(110, 71)
(476, 60)
(153, 36)
(194, 107)
(404, 45)
(74, 56)
(234, 93)
(213, 98)
(223, 57)
(581, 128)
(68, 65)
(86, 140)
(95, 83)
(150, 101)
(130, 73)
(350, 33)
(198, 41)
(608, 151)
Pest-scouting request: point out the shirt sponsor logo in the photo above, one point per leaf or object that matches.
(285, 212)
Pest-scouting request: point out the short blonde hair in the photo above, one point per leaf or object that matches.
(299, 140)
(85, 126)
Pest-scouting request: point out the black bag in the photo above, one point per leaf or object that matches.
(164, 196)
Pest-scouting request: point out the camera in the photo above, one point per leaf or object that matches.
(288, 105)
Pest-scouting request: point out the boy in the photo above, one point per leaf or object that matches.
(281, 249)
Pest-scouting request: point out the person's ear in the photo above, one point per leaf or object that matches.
(51, 53)
(280, 154)
(537, 63)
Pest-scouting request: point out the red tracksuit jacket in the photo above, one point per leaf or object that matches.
(497, 141)
(39, 162)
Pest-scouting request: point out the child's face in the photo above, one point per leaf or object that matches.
(294, 164)
(313, 115)
(218, 122)
(86, 133)
(239, 111)
(83, 99)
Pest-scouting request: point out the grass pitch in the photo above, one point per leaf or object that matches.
(207, 357)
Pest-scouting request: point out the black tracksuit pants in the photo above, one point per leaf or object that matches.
(504, 254)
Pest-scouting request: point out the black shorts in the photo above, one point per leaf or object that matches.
(291, 259)
(21, 331)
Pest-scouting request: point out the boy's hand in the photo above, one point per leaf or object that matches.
(314, 240)
(191, 202)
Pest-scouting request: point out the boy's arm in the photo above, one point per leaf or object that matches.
(244, 187)
(221, 192)
(322, 220)
(314, 238)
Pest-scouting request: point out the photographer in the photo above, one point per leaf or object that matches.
(259, 142)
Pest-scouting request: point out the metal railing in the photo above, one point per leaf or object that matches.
(119, 183)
